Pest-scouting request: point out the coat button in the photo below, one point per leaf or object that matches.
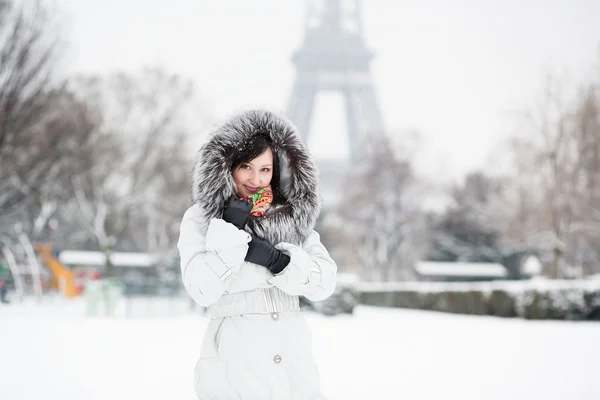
(275, 316)
(277, 359)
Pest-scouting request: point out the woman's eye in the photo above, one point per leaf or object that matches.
(266, 169)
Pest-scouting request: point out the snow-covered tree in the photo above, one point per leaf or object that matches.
(471, 227)
(380, 214)
(585, 244)
(137, 184)
(29, 50)
(556, 174)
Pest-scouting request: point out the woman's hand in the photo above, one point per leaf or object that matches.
(263, 253)
(237, 212)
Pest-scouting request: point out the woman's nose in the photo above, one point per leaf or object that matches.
(255, 179)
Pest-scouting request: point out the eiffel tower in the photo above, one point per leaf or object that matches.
(334, 57)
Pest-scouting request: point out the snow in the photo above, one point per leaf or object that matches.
(53, 351)
(431, 268)
(532, 266)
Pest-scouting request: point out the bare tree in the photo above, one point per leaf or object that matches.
(381, 216)
(68, 119)
(29, 46)
(524, 195)
(555, 149)
(587, 135)
(140, 174)
(558, 166)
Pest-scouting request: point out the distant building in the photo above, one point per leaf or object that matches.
(127, 265)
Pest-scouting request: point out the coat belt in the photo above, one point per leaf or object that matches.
(258, 301)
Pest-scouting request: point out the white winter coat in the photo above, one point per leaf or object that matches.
(257, 345)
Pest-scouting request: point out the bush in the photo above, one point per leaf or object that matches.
(535, 299)
(592, 304)
(501, 304)
(342, 301)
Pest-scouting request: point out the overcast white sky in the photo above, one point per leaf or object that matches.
(453, 70)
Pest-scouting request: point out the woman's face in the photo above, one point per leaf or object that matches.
(254, 175)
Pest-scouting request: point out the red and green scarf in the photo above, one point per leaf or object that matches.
(261, 201)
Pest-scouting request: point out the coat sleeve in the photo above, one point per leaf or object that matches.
(211, 255)
(311, 272)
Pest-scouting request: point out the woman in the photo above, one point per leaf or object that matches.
(248, 262)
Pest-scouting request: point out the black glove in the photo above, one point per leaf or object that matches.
(264, 253)
(237, 211)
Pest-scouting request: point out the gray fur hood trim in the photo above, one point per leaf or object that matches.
(213, 183)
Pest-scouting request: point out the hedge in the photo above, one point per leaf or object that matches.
(533, 299)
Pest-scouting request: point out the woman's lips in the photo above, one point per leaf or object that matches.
(251, 189)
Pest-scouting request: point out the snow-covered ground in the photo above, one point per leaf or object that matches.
(52, 351)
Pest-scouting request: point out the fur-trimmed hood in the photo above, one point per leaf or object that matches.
(213, 182)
